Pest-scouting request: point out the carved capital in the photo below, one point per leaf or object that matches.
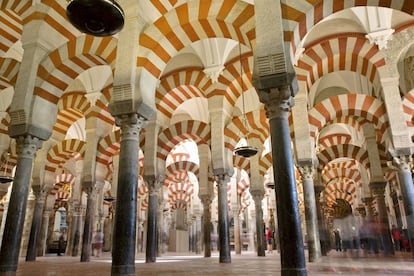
(278, 102)
(306, 172)
(378, 188)
(403, 163)
(131, 124)
(27, 146)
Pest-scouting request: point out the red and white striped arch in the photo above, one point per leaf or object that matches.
(342, 172)
(198, 131)
(354, 105)
(346, 53)
(190, 22)
(187, 166)
(343, 151)
(233, 81)
(241, 163)
(242, 186)
(9, 69)
(340, 188)
(11, 23)
(301, 17)
(265, 163)
(334, 139)
(408, 108)
(176, 88)
(108, 147)
(63, 151)
(66, 63)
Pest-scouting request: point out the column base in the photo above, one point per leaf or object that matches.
(294, 271)
(123, 270)
(225, 260)
(8, 270)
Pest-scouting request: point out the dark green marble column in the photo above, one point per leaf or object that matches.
(152, 221)
(12, 235)
(223, 218)
(278, 102)
(404, 164)
(124, 234)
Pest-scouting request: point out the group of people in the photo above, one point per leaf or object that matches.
(368, 239)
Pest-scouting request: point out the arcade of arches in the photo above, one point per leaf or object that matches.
(133, 135)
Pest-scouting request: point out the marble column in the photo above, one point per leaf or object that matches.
(36, 225)
(206, 200)
(76, 230)
(13, 230)
(312, 228)
(124, 239)
(152, 213)
(278, 102)
(160, 225)
(378, 191)
(89, 221)
(323, 231)
(261, 243)
(41, 241)
(237, 237)
(404, 164)
(223, 218)
(198, 234)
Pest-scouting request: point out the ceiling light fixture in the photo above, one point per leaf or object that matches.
(96, 17)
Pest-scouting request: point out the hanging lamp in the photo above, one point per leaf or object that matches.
(4, 177)
(96, 17)
(247, 150)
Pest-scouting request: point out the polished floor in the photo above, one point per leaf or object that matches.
(247, 263)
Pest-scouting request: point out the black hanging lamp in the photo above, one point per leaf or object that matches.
(4, 177)
(245, 151)
(96, 17)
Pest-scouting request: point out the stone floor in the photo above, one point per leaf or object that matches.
(245, 264)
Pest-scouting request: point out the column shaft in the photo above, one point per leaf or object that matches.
(314, 246)
(290, 232)
(261, 244)
(88, 226)
(151, 247)
(123, 243)
(223, 221)
(407, 192)
(12, 235)
(207, 226)
(35, 228)
(41, 241)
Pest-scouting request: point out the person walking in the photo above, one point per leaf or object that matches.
(338, 241)
(269, 240)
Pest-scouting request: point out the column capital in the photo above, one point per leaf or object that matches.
(278, 101)
(154, 183)
(205, 199)
(403, 162)
(130, 120)
(222, 178)
(378, 188)
(306, 172)
(27, 145)
(257, 194)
